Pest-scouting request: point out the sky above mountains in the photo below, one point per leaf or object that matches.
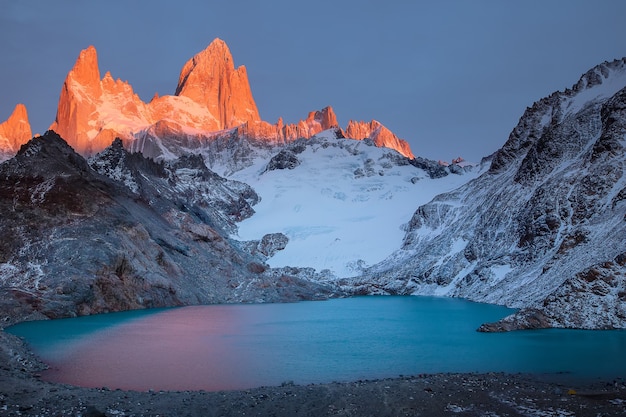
(450, 77)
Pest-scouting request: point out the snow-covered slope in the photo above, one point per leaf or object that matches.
(544, 229)
(342, 203)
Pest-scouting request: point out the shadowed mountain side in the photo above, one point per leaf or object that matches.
(79, 242)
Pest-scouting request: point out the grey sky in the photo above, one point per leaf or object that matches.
(450, 77)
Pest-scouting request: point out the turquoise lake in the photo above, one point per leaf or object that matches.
(224, 347)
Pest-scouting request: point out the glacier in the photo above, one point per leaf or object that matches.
(343, 207)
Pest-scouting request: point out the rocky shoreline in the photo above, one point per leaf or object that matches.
(23, 393)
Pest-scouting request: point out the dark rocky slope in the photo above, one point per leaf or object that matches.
(123, 232)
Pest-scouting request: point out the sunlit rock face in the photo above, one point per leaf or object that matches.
(91, 110)
(382, 137)
(544, 229)
(213, 101)
(280, 133)
(210, 78)
(14, 132)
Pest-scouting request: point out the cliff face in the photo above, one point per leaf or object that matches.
(544, 229)
(210, 79)
(92, 111)
(14, 132)
(213, 99)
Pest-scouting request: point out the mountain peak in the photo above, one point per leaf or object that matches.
(19, 112)
(325, 117)
(211, 96)
(210, 79)
(15, 131)
(85, 70)
(83, 118)
(599, 83)
(381, 136)
(46, 154)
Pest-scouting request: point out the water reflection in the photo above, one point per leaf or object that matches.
(176, 348)
(241, 346)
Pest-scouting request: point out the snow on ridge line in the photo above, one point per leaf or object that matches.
(599, 83)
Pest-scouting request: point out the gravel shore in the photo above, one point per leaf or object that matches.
(22, 393)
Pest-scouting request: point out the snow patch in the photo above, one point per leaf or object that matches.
(499, 272)
(38, 194)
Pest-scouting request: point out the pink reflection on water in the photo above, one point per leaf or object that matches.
(195, 348)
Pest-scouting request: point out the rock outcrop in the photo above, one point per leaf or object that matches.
(382, 137)
(14, 132)
(284, 159)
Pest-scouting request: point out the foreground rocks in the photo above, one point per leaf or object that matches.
(22, 393)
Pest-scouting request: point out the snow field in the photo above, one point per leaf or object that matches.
(335, 219)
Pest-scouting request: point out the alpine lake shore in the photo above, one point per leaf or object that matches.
(24, 393)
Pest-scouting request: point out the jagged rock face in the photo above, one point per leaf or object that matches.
(223, 202)
(91, 111)
(131, 233)
(544, 228)
(210, 78)
(381, 136)
(598, 288)
(14, 132)
(280, 133)
(213, 101)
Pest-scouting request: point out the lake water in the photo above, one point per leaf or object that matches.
(223, 347)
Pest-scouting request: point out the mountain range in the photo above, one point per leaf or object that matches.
(213, 101)
(192, 198)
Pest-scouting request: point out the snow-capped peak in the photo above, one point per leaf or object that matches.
(599, 83)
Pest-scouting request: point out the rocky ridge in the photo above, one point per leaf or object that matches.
(122, 232)
(544, 230)
(379, 134)
(213, 102)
